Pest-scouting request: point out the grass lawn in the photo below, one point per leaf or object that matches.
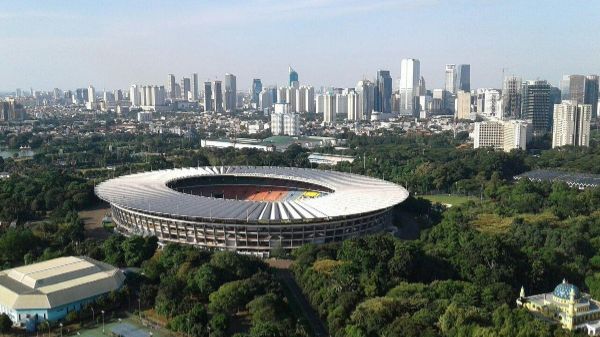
(449, 199)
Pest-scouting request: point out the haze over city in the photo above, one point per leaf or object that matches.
(113, 44)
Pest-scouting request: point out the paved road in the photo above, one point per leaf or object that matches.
(313, 318)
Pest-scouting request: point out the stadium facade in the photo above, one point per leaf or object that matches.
(49, 290)
(251, 210)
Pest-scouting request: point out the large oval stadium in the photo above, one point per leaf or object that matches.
(251, 210)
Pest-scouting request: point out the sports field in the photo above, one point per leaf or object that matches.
(449, 199)
(97, 331)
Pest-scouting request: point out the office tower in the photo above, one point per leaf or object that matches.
(492, 105)
(329, 108)
(230, 99)
(463, 78)
(108, 97)
(366, 92)
(438, 102)
(564, 87)
(273, 93)
(217, 92)
(91, 94)
(186, 88)
(208, 97)
(591, 93)
(171, 86)
(282, 95)
(19, 93)
(577, 88)
(118, 95)
(341, 105)
(535, 105)
(463, 105)
(353, 108)
(383, 92)
(422, 90)
(195, 88)
(571, 125)
(511, 97)
(408, 88)
(265, 101)
(293, 78)
(256, 90)
(450, 82)
(501, 135)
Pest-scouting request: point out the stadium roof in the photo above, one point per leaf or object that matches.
(353, 194)
(57, 282)
(581, 180)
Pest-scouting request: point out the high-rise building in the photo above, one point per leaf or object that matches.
(284, 121)
(450, 78)
(171, 86)
(329, 108)
(91, 94)
(408, 88)
(134, 96)
(293, 78)
(463, 78)
(591, 93)
(208, 99)
(501, 135)
(217, 93)
(265, 101)
(511, 97)
(571, 124)
(230, 93)
(422, 89)
(353, 108)
(366, 93)
(577, 88)
(383, 92)
(341, 105)
(535, 105)
(564, 87)
(186, 88)
(195, 88)
(301, 99)
(463, 105)
(309, 99)
(256, 90)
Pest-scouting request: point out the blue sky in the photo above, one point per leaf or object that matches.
(112, 44)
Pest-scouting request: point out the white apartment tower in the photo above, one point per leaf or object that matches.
(571, 124)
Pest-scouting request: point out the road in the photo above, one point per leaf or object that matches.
(319, 329)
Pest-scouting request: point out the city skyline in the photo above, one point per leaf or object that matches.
(74, 48)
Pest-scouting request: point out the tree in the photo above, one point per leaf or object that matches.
(5, 323)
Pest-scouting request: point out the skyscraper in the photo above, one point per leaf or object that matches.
(463, 105)
(171, 87)
(293, 76)
(186, 88)
(217, 93)
(450, 82)
(410, 75)
(353, 106)
(383, 92)
(195, 88)
(329, 108)
(366, 92)
(571, 124)
(208, 97)
(591, 93)
(536, 106)
(91, 94)
(230, 93)
(463, 78)
(511, 97)
(256, 90)
(577, 88)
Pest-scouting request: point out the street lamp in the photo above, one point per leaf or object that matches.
(102, 321)
(93, 314)
(61, 325)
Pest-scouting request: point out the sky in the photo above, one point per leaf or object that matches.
(113, 44)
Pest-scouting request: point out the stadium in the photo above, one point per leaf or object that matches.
(251, 210)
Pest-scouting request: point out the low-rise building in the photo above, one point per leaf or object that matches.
(49, 290)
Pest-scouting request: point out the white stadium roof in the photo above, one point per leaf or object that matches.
(57, 282)
(352, 194)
